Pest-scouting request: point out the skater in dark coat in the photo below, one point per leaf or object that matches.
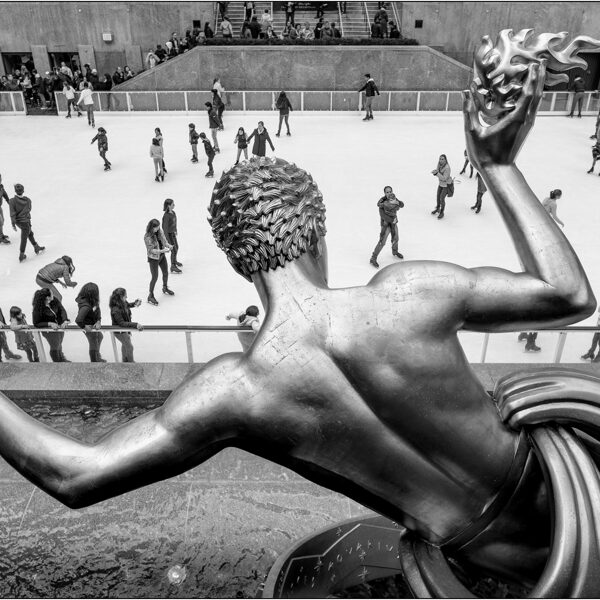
(169, 226)
(481, 190)
(210, 153)
(214, 123)
(284, 106)
(261, 137)
(20, 216)
(102, 140)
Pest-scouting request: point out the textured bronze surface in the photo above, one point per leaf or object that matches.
(364, 390)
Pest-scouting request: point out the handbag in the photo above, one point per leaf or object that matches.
(450, 189)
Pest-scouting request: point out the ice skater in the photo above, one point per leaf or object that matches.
(442, 172)
(156, 154)
(213, 123)
(467, 164)
(20, 216)
(120, 315)
(550, 205)
(248, 318)
(51, 274)
(8, 353)
(169, 226)
(242, 144)
(88, 103)
(595, 156)
(261, 137)
(24, 338)
(284, 106)
(481, 190)
(156, 248)
(89, 318)
(595, 341)
(159, 136)
(388, 206)
(370, 90)
(69, 92)
(210, 154)
(529, 337)
(193, 137)
(102, 140)
(4, 239)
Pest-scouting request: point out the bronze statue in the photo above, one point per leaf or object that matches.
(364, 390)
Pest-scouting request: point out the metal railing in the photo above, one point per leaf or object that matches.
(367, 19)
(339, 7)
(200, 343)
(12, 103)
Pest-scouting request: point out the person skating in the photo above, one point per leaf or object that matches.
(159, 136)
(261, 137)
(388, 206)
(51, 274)
(442, 172)
(481, 190)
(156, 154)
(88, 103)
(24, 338)
(467, 164)
(156, 248)
(20, 216)
(284, 106)
(210, 154)
(550, 205)
(193, 137)
(370, 90)
(595, 341)
(120, 314)
(578, 88)
(8, 353)
(242, 144)
(89, 317)
(213, 123)
(169, 226)
(69, 92)
(4, 239)
(102, 140)
(219, 90)
(595, 157)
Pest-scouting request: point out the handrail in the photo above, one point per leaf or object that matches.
(216, 9)
(341, 20)
(397, 19)
(366, 8)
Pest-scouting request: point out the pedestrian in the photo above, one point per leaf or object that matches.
(370, 90)
(169, 227)
(210, 154)
(290, 11)
(261, 137)
(249, 10)
(151, 59)
(24, 338)
(284, 106)
(102, 140)
(219, 107)
(213, 123)
(20, 216)
(336, 32)
(394, 31)
(4, 239)
(442, 172)
(382, 16)
(88, 103)
(218, 87)
(266, 20)
(481, 190)
(550, 205)
(156, 248)
(8, 353)
(69, 93)
(51, 274)
(49, 313)
(595, 156)
(128, 73)
(159, 136)
(467, 164)
(208, 32)
(156, 154)
(120, 315)
(226, 28)
(388, 206)
(193, 137)
(242, 144)
(89, 318)
(595, 341)
(578, 88)
(254, 28)
(248, 318)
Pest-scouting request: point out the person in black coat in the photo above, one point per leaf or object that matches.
(261, 137)
(4, 342)
(48, 312)
(254, 28)
(89, 317)
(169, 227)
(120, 314)
(284, 106)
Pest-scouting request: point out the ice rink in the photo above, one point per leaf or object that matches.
(99, 218)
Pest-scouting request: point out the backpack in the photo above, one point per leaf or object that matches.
(450, 189)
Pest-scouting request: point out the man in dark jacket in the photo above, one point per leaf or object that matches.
(388, 206)
(20, 216)
(3, 196)
(370, 90)
(254, 28)
(578, 87)
(213, 123)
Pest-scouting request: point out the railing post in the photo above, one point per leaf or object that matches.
(37, 337)
(447, 100)
(185, 101)
(302, 101)
(190, 349)
(114, 345)
(486, 339)
(418, 101)
(330, 101)
(156, 100)
(128, 98)
(560, 345)
(244, 101)
(359, 101)
(390, 101)
(12, 101)
(553, 102)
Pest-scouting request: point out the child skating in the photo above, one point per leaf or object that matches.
(210, 153)
(102, 146)
(242, 143)
(194, 142)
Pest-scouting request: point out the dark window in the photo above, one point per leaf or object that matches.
(419, 24)
(196, 24)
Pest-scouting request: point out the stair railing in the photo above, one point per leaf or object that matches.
(339, 5)
(367, 20)
(397, 18)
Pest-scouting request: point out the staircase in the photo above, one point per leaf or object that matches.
(354, 22)
(235, 13)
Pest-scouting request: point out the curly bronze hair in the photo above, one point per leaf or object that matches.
(264, 212)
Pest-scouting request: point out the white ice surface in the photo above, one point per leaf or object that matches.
(99, 218)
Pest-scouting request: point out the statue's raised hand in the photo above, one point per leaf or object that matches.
(499, 143)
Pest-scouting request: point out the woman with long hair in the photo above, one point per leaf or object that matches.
(242, 144)
(156, 154)
(51, 274)
(284, 106)
(156, 248)
(24, 338)
(169, 227)
(221, 93)
(89, 317)
(48, 312)
(159, 136)
(120, 314)
(248, 318)
(442, 172)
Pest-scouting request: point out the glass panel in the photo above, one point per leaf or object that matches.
(143, 101)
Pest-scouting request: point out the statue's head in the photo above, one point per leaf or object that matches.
(265, 212)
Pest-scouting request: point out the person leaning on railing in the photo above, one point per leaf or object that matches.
(89, 318)
(48, 312)
(120, 314)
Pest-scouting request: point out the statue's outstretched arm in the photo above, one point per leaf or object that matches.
(553, 289)
(196, 421)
